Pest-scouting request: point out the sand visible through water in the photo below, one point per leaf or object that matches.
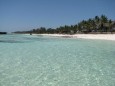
(47, 61)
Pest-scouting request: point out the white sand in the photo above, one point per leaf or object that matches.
(85, 36)
(97, 36)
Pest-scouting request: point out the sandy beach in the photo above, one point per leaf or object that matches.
(85, 36)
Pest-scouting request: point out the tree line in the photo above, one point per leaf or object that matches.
(92, 25)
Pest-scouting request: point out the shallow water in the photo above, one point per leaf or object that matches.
(27, 60)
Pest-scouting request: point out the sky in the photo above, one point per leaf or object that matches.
(22, 15)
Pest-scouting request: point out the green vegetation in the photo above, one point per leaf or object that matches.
(99, 24)
(3, 32)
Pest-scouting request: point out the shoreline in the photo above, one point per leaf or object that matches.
(83, 36)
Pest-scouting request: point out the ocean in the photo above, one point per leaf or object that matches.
(31, 60)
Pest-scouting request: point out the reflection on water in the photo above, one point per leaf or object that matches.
(10, 41)
(19, 38)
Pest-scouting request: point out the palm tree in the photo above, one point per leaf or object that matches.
(91, 24)
(104, 19)
(110, 25)
(97, 22)
(96, 19)
(79, 27)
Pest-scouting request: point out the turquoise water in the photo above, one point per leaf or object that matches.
(46, 61)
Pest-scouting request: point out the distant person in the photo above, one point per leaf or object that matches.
(30, 33)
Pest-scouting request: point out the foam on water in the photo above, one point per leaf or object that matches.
(44, 61)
